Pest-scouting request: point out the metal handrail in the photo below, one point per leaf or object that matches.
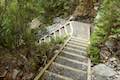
(59, 29)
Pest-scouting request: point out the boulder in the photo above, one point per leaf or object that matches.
(110, 44)
(104, 54)
(102, 72)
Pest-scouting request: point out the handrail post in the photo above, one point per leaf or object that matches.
(65, 30)
(71, 29)
(44, 39)
(53, 34)
(49, 38)
(39, 41)
(60, 32)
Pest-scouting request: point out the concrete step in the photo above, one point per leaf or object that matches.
(72, 63)
(79, 39)
(76, 46)
(67, 71)
(53, 76)
(74, 56)
(75, 51)
(80, 42)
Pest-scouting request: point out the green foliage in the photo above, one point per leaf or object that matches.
(108, 15)
(46, 50)
(45, 47)
(58, 40)
(14, 18)
(54, 8)
(16, 14)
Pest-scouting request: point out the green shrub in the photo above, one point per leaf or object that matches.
(58, 40)
(44, 48)
(108, 15)
(14, 18)
(55, 8)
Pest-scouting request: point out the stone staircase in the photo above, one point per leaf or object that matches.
(71, 64)
(71, 61)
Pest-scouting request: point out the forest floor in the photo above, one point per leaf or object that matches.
(22, 64)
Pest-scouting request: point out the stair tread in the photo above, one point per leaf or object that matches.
(79, 43)
(53, 76)
(79, 49)
(76, 46)
(79, 38)
(68, 71)
(74, 56)
(67, 52)
(72, 63)
(82, 45)
(75, 51)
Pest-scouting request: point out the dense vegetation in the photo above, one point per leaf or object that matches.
(16, 14)
(107, 22)
(17, 39)
(14, 18)
(56, 8)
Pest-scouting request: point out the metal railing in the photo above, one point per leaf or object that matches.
(67, 28)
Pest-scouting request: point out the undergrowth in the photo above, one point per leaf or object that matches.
(45, 51)
(107, 22)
